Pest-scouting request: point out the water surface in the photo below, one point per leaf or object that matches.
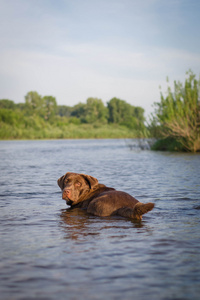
(48, 252)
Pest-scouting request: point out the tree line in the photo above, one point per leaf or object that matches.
(116, 111)
(175, 122)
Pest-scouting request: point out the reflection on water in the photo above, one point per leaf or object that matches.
(49, 251)
(78, 224)
(75, 224)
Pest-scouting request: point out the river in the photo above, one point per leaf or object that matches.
(48, 252)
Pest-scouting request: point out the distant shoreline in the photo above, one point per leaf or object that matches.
(71, 131)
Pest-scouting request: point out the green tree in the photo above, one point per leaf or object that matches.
(91, 112)
(123, 113)
(34, 103)
(119, 110)
(9, 104)
(12, 117)
(64, 111)
(178, 114)
(79, 110)
(95, 111)
(139, 113)
(50, 107)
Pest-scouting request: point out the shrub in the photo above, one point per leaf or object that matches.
(177, 116)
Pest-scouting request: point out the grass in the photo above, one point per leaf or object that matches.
(70, 131)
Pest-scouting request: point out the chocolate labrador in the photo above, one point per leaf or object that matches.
(84, 191)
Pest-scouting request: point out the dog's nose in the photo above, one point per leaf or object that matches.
(66, 193)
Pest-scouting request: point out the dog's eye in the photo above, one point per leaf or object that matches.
(66, 181)
(78, 183)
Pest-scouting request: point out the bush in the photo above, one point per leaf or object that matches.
(168, 144)
(177, 116)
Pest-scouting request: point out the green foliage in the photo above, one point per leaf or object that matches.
(9, 104)
(168, 144)
(34, 103)
(95, 111)
(40, 117)
(119, 110)
(123, 113)
(178, 114)
(64, 111)
(44, 107)
(38, 130)
(78, 110)
(50, 105)
(91, 112)
(10, 117)
(74, 120)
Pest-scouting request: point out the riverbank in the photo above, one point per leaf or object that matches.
(70, 131)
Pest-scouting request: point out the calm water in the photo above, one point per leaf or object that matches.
(48, 252)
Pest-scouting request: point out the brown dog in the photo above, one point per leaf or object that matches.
(84, 191)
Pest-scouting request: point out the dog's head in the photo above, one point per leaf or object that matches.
(76, 186)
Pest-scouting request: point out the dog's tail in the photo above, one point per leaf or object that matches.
(141, 209)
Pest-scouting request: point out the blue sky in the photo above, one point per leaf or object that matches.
(75, 49)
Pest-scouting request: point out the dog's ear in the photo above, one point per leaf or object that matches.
(60, 182)
(90, 180)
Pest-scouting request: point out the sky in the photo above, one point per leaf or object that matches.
(76, 49)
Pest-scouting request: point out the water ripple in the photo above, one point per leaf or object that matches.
(56, 253)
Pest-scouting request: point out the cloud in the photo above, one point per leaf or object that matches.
(74, 78)
(77, 49)
(81, 70)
